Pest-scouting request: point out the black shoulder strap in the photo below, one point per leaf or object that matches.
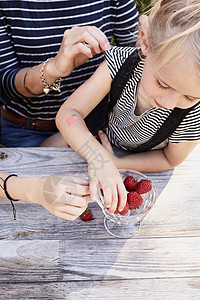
(170, 124)
(166, 129)
(122, 77)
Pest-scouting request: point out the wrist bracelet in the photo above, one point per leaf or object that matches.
(47, 87)
(25, 85)
(4, 187)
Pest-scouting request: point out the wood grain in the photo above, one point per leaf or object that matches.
(111, 259)
(44, 257)
(139, 289)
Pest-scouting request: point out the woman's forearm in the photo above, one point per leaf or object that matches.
(22, 188)
(28, 81)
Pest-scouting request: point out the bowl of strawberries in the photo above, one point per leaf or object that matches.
(141, 196)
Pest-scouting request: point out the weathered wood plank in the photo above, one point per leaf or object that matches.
(50, 258)
(41, 224)
(34, 222)
(29, 260)
(130, 259)
(140, 289)
(175, 213)
(114, 259)
(40, 161)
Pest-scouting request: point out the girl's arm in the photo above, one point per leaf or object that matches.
(151, 161)
(64, 196)
(70, 121)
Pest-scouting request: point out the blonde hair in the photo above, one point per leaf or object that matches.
(174, 32)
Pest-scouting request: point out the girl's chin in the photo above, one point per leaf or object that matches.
(159, 105)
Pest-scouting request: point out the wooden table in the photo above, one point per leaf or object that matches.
(44, 257)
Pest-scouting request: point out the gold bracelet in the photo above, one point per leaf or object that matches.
(25, 85)
(47, 87)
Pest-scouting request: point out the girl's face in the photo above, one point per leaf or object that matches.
(170, 87)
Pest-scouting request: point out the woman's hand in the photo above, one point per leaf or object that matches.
(66, 197)
(78, 45)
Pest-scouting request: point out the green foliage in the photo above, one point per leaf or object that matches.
(142, 5)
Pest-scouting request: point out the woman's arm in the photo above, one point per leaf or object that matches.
(70, 121)
(64, 196)
(78, 45)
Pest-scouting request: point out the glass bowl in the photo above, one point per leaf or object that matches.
(125, 226)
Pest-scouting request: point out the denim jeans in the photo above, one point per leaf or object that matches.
(17, 136)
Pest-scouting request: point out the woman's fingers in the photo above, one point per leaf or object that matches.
(73, 200)
(69, 213)
(97, 39)
(78, 180)
(73, 185)
(92, 36)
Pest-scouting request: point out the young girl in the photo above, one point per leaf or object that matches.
(167, 78)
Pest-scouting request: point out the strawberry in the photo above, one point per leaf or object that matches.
(124, 211)
(130, 183)
(134, 199)
(144, 186)
(86, 215)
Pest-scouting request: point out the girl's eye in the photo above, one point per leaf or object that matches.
(191, 99)
(161, 86)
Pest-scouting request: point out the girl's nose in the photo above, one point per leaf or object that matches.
(169, 99)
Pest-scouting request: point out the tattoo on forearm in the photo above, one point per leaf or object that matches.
(71, 119)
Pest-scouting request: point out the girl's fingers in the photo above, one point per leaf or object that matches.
(107, 196)
(122, 196)
(114, 204)
(105, 142)
(93, 189)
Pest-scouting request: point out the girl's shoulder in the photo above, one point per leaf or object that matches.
(189, 128)
(116, 56)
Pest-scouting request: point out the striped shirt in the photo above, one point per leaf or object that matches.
(127, 130)
(31, 31)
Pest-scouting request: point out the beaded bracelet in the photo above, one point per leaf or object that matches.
(4, 187)
(47, 87)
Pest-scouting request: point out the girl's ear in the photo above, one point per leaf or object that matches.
(143, 32)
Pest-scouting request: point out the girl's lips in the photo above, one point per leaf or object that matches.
(158, 104)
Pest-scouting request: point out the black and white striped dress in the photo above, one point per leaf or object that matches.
(127, 130)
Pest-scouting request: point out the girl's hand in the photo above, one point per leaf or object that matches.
(78, 45)
(103, 174)
(66, 197)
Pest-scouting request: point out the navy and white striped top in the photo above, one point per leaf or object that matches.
(31, 31)
(127, 130)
